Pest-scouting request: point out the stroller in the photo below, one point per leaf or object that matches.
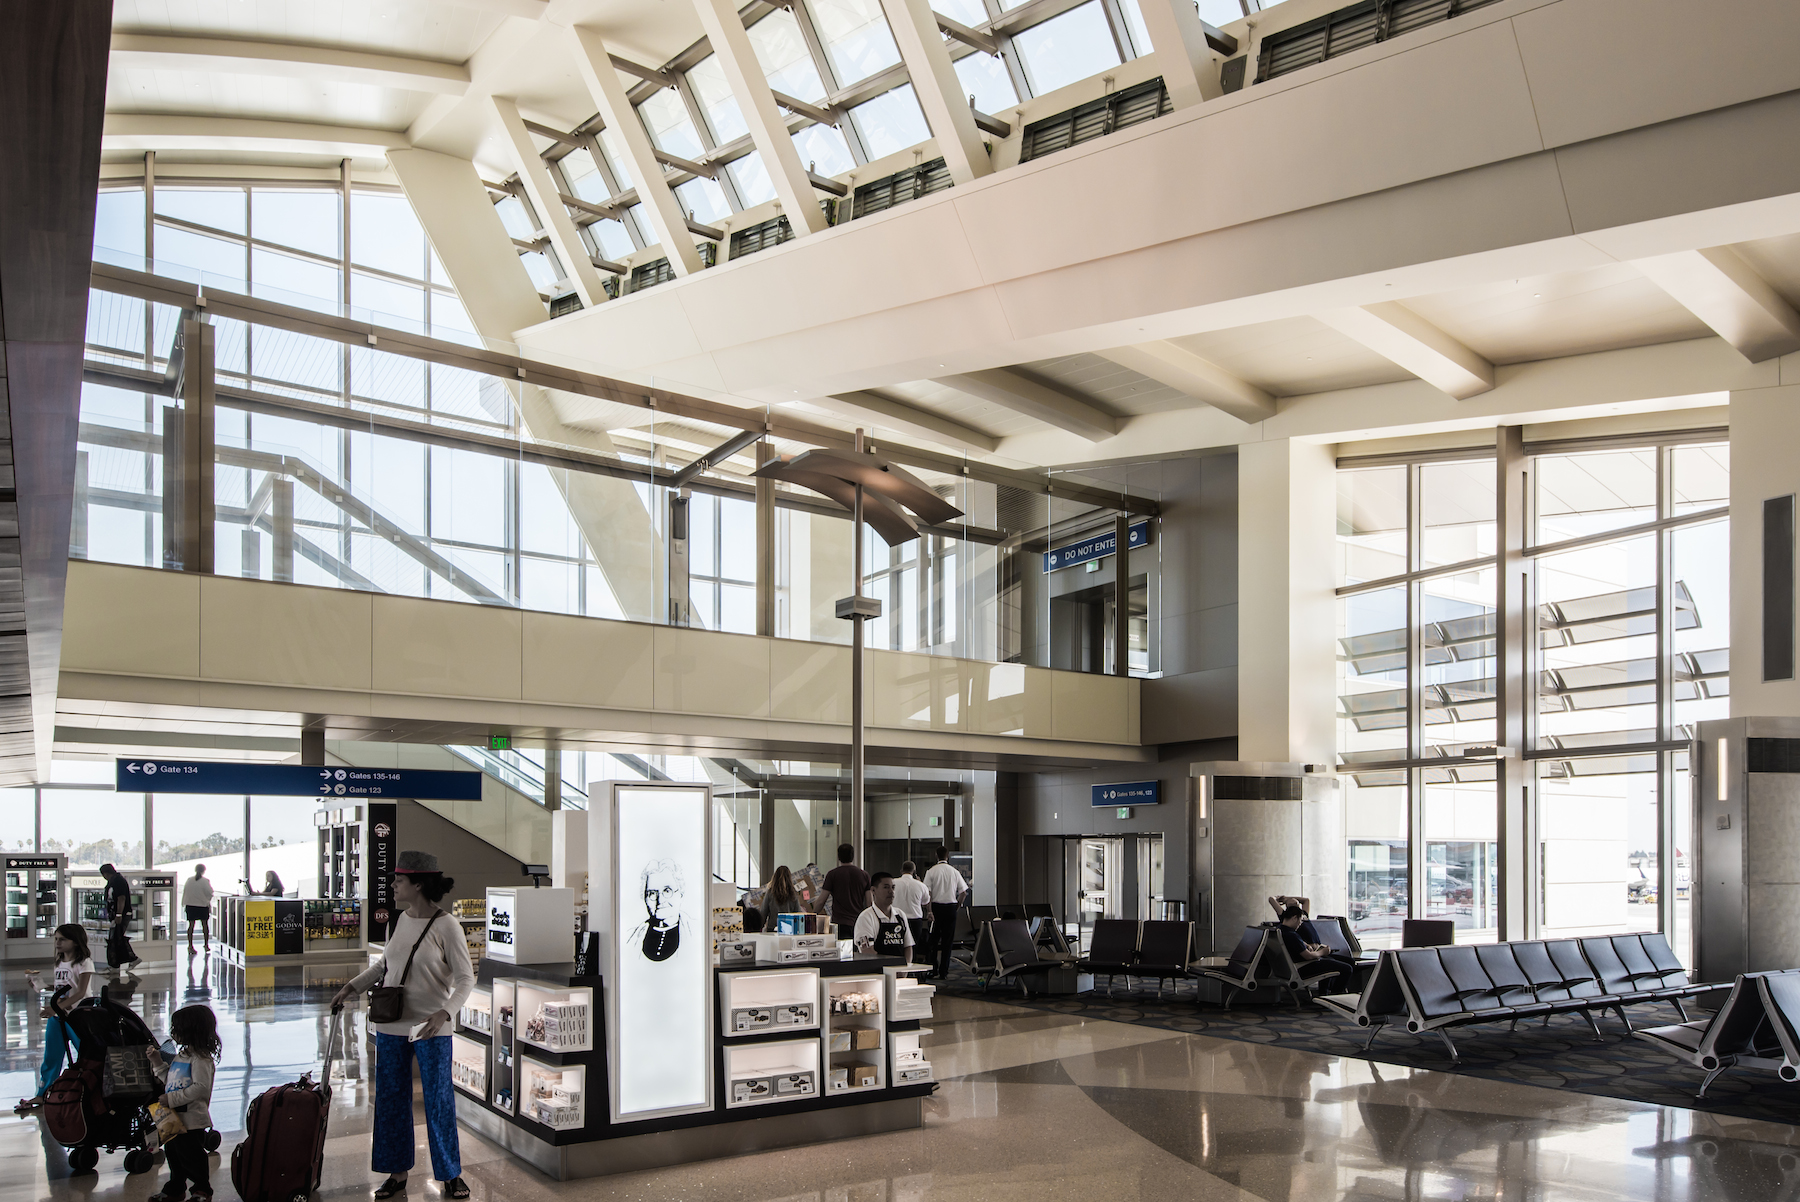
(102, 1100)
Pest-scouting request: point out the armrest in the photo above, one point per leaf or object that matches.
(1463, 993)
(1578, 980)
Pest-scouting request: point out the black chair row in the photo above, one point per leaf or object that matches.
(1007, 950)
(1757, 1027)
(1437, 988)
(1261, 958)
(1159, 949)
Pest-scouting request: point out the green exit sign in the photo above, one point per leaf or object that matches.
(1124, 811)
(499, 742)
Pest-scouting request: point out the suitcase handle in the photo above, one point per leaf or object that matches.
(331, 1040)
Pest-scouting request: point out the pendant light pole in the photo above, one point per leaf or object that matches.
(874, 491)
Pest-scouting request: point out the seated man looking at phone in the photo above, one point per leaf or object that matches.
(1301, 951)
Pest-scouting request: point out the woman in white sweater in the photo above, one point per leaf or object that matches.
(440, 981)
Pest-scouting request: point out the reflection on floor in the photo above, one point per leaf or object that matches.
(1033, 1106)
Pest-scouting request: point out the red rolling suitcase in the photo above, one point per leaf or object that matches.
(284, 1135)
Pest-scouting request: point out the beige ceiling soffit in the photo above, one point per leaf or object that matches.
(1012, 391)
(531, 10)
(296, 62)
(147, 131)
(1725, 292)
(1202, 379)
(1395, 332)
(902, 418)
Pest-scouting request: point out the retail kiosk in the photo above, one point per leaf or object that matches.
(150, 927)
(286, 930)
(34, 907)
(665, 1055)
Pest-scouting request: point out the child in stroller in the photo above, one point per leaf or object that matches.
(101, 1101)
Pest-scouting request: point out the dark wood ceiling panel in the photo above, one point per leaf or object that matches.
(53, 63)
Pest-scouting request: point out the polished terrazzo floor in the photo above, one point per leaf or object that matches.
(1032, 1106)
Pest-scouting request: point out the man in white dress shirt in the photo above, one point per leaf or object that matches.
(947, 888)
(910, 899)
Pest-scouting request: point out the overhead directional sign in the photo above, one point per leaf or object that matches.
(1097, 547)
(296, 780)
(1134, 793)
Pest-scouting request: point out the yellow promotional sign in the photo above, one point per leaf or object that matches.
(259, 928)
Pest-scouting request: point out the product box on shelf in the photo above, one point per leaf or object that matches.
(741, 951)
(912, 1072)
(863, 1075)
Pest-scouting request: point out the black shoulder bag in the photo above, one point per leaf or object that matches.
(387, 1003)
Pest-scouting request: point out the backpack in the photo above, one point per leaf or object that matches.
(70, 1099)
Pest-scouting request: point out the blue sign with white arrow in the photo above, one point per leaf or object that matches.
(296, 780)
(1136, 793)
(1097, 547)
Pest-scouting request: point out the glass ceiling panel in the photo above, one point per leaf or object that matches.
(665, 117)
(781, 50)
(857, 40)
(707, 78)
(1068, 48)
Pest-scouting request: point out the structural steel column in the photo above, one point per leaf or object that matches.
(768, 129)
(765, 541)
(577, 265)
(1121, 631)
(608, 93)
(1181, 50)
(197, 446)
(1512, 689)
(939, 90)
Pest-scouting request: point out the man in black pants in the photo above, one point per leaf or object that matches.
(1302, 952)
(848, 888)
(947, 889)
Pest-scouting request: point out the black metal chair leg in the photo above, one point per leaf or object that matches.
(1710, 1077)
(1375, 1031)
(1681, 1009)
(1445, 1036)
(1620, 1011)
(1589, 1015)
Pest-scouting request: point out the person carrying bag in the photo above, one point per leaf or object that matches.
(410, 1013)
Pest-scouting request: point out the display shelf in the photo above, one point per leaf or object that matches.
(468, 1066)
(477, 1014)
(768, 1003)
(908, 1065)
(760, 1073)
(504, 1055)
(854, 1035)
(554, 1095)
(556, 1019)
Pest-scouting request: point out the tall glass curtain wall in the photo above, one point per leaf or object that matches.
(1627, 621)
(400, 476)
(235, 837)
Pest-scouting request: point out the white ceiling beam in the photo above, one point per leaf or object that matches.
(224, 56)
(1395, 332)
(667, 217)
(138, 132)
(756, 102)
(910, 420)
(1051, 406)
(938, 88)
(1200, 378)
(577, 261)
(1179, 38)
(1726, 293)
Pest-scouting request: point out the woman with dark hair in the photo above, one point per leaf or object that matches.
(70, 978)
(432, 959)
(272, 886)
(780, 897)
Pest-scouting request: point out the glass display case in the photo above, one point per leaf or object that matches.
(757, 1074)
(477, 1014)
(33, 905)
(468, 1065)
(557, 1019)
(552, 1094)
(503, 1058)
(855, 1034)
(762, 1003)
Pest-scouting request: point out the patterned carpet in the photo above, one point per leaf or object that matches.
(1560, 1056)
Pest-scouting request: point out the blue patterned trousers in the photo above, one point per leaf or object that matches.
(393, 1144)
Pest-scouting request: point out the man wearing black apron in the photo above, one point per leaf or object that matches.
(878, 928)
